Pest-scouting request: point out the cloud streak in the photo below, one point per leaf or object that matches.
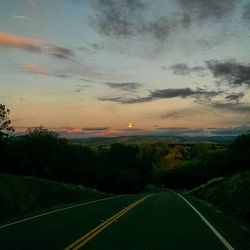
(164, 94)
(208, 8)
(42, 70)
(36, 69)
(235, 97)
(22, 18)
(236, 107)
(231, 72)
(94, 129)
(35, 46)
(246, 12)
(184, 69)
(179, 114)
(126, 86)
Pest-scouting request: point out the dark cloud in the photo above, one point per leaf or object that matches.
(60, 52)
(160, 28)
(165, 94)
(95, 129)
(81, 87)
(184, 69)
(231, 72)
(97, 46)
(246, 12)
(179, 114)
(127, 18)
(235, 96)
(126, 86)
(208, 8)
(230, 131)
(230, 106)
(63, 76)
(115, 18)
(86, 80)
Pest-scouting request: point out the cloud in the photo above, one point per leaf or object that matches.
(86, 80)
(179, 114)
(114, 18)
(231, 131)
(36, 69)
(128, 18)
(183, 69)
(237, 107)
(246, 12)
(60, 52)
(230, 72)
(208, 8)
(235, 96)
(34, 46)
(164, 94)
(126, 86)
(63, 76)
(91, 129)
(42, 70)
(133, 18)
(22, 18)
(24, 43)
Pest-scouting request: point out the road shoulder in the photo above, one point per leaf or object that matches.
(236, 232)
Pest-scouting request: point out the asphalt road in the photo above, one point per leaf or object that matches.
(159, 221)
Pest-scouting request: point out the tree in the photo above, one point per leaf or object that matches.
(5, 124)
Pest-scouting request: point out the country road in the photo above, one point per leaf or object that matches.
(150, 222)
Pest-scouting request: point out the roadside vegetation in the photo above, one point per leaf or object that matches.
(26, 196)
(233, 195)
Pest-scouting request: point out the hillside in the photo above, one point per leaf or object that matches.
(95, 141)
(149, 139)
(231, 194)
(25, 196)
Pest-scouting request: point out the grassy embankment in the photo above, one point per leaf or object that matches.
(225, 202)
(230, 194)
(21, 197)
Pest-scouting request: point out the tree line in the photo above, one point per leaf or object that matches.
(119, 168)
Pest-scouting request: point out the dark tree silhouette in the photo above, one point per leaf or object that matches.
(5, 124)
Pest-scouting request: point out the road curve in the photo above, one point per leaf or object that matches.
(159, 221)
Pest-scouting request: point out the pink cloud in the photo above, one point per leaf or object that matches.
(37, 69)
(34, 45)
(25, 43)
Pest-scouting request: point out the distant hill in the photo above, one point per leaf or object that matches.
(96, 141)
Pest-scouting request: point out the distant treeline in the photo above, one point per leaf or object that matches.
(121, 168)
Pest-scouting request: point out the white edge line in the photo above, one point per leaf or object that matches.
(58, 210)
(221, 238)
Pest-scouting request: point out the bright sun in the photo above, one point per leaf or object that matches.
(130, 125)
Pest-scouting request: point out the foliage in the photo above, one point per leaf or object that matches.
(234, 194)
(5, 123)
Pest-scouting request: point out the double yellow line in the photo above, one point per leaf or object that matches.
(91, 234)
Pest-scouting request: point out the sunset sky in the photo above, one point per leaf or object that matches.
(113, 67)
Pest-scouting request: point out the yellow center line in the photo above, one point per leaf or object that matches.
(91, 234)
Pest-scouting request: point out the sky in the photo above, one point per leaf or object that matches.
(126, 67)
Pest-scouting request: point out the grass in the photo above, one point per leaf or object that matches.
(21, 197)
(231, 194)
